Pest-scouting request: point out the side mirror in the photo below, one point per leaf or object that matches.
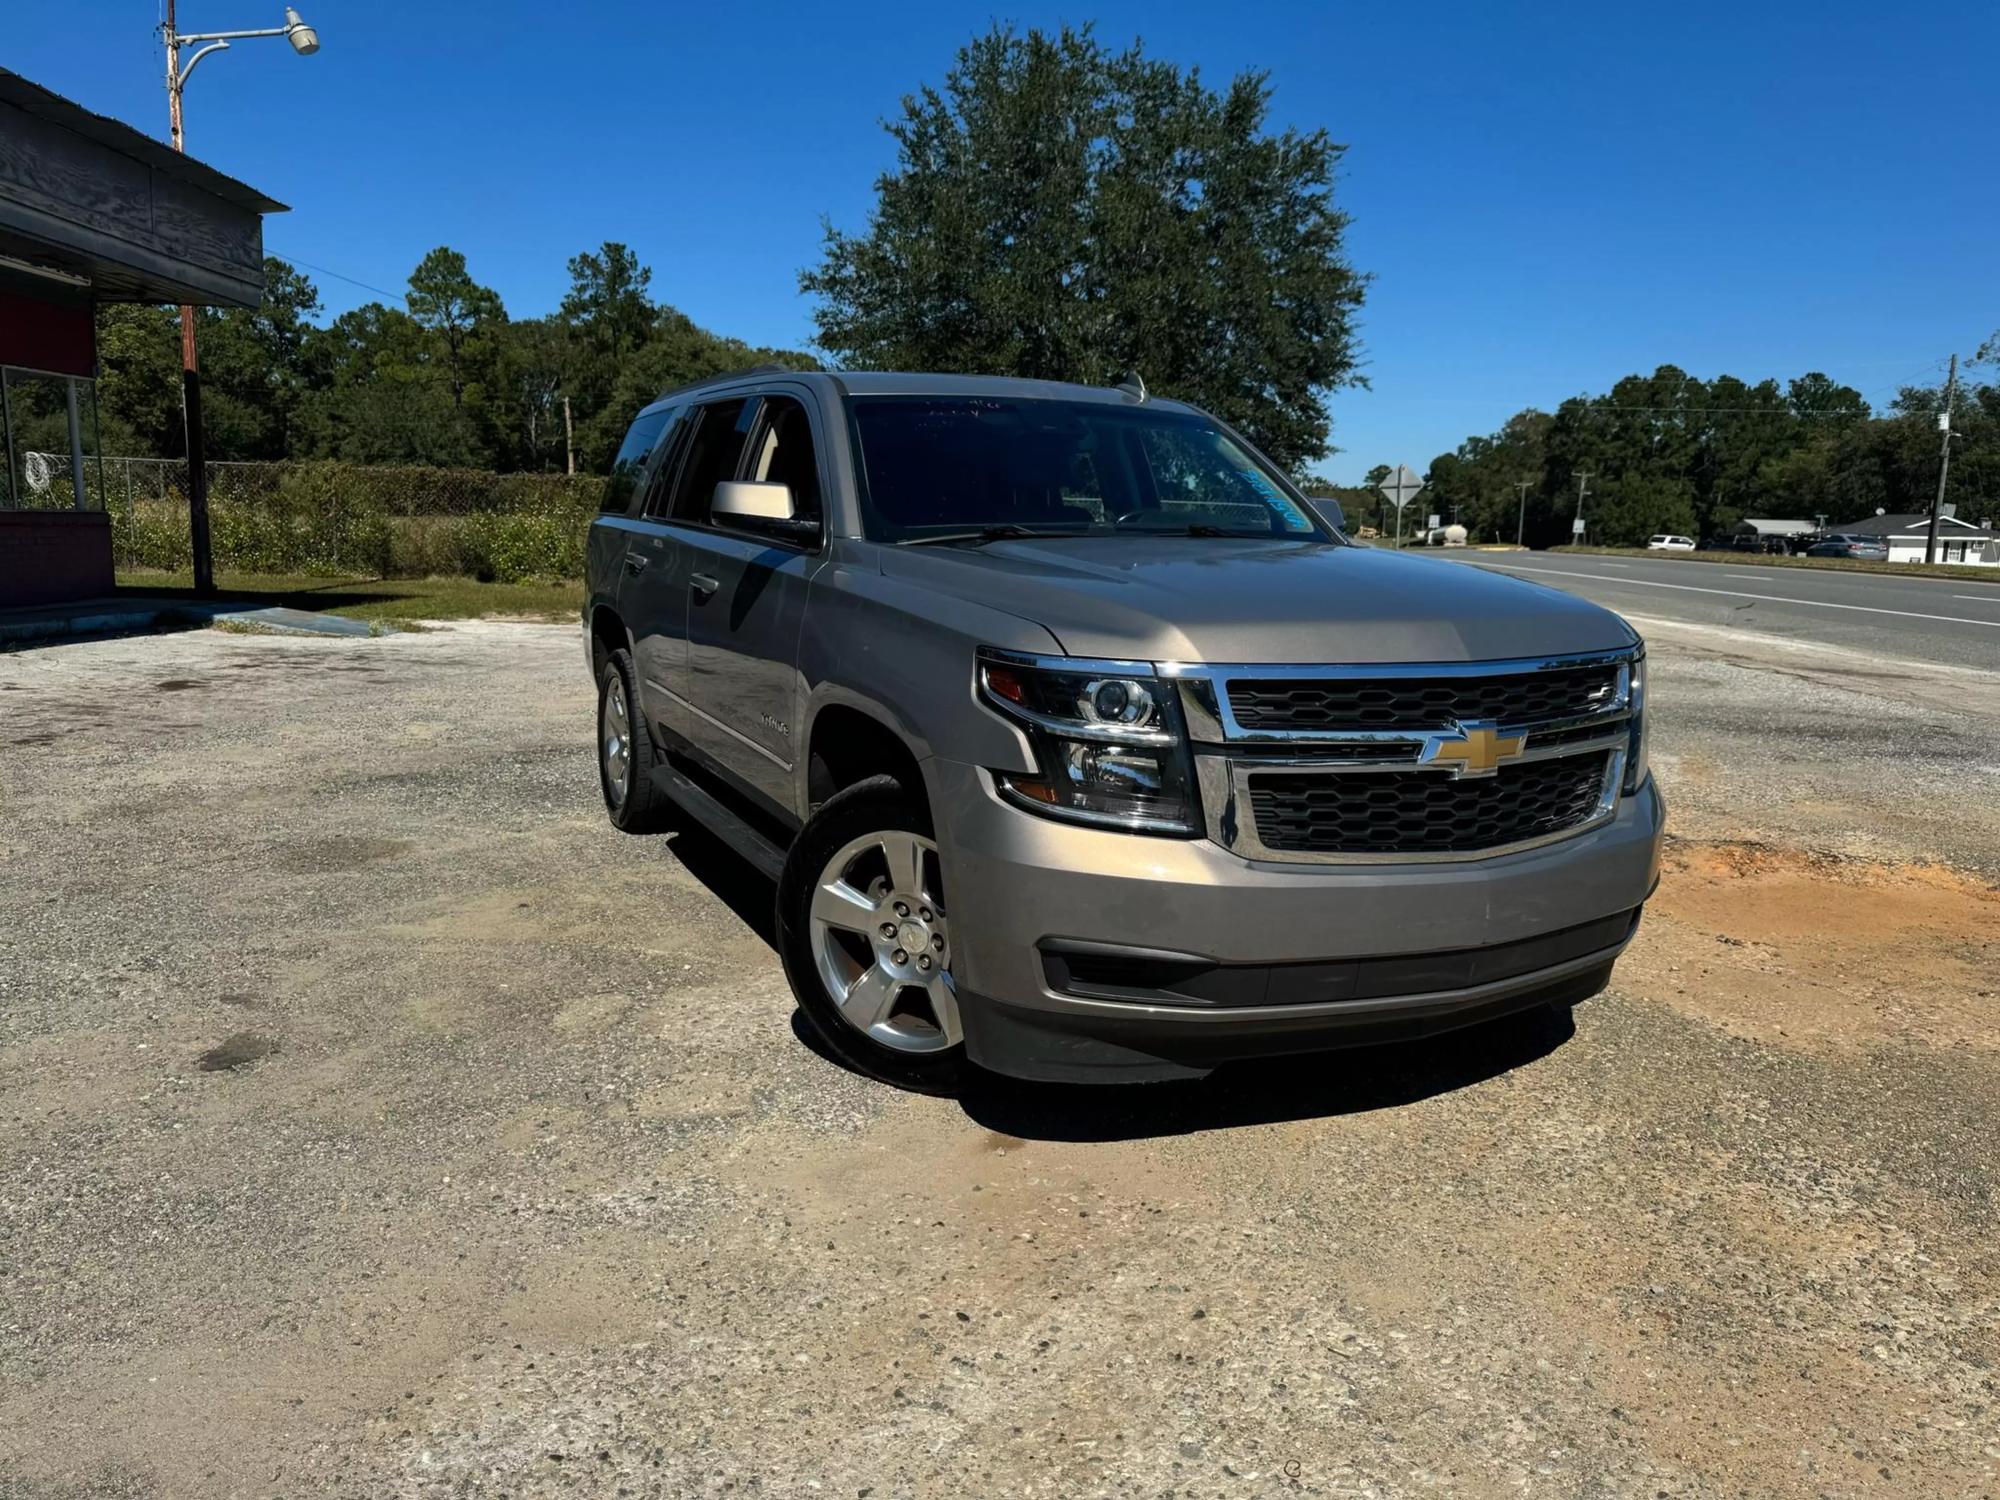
(1331, 513)
(759, 503)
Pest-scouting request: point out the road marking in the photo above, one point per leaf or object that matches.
(1688, 588)
(1615, 565)
(1979, 598)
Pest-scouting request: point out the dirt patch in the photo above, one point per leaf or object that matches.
(1803, 948)
(236, 1051)
(339, 853)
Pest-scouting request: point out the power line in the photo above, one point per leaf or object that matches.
(340, 276)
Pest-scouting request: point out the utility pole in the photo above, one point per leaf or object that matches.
(569, 435)
(1944, 461)
(1582, 489)
(304, 41)
(197, 456)
(1521, 520)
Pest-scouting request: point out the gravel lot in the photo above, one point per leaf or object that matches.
(377, 1121)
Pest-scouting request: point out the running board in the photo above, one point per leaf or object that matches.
(719, 819)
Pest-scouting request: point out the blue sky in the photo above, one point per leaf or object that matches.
(1548, 195)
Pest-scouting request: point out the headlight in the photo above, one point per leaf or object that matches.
(1108, 742)
(1635, 749)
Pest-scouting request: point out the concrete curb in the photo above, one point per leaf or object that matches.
(95, 617)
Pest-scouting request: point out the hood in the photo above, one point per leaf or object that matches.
(1259, 600)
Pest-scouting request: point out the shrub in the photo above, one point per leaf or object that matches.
(390, 520)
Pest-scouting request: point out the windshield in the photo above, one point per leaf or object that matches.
(951, 467)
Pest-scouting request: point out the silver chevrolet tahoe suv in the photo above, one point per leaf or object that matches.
(1081, 746)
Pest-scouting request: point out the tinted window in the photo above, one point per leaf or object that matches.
(783, 454)
(956, 464)
(712, 456)
(638, 446)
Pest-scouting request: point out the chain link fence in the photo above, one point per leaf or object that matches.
(335, 519)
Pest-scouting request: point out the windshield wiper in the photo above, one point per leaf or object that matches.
(1005, 532)
(1195, 528)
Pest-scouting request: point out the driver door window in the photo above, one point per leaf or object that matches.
(781, 452)
(712, 457)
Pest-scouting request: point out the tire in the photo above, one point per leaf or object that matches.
(626, 754)
(861, 885)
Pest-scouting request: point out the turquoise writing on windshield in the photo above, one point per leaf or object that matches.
(1271, 495)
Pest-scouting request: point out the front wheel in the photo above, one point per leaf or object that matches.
(865, 934)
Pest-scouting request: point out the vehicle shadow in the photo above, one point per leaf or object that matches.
(1353, 1080)
(732, 879)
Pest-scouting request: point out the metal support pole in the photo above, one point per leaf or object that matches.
(1521, 520)
(76, 484)
(7, 438)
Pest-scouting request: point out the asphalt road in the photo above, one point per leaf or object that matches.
(1947, 621)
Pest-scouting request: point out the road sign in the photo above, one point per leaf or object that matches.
(1401, 487)
(1576, 527)
(1435, 521)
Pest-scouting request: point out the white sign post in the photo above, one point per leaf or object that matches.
(1401, 488)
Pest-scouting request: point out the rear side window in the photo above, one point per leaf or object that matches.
(782, 453)
(638, 446)
(713, 453)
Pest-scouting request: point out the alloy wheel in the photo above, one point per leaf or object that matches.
(882, 943)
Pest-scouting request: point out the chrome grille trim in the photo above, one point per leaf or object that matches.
(1204, 691)
(1226, 754)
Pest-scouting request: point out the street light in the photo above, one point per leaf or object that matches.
(305, 42)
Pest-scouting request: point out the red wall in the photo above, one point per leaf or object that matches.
(52, 556)
(38, 334)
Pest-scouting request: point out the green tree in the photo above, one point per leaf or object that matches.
(259, 365)
(139, 379)
(386, 401)
(455, 310)
(676, 351)
(1064, 212)
(609, 314)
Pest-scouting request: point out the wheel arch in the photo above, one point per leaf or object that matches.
(607, 634)
(849, 739)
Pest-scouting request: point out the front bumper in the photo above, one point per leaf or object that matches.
(1037, 887)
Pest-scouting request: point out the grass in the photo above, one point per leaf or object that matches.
(1953, 572)
(389, 602)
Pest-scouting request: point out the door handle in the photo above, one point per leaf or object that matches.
(704, 584)
(635, 562)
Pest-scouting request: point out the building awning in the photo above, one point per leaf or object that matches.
(89, 201)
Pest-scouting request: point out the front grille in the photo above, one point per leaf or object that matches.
(1424, 812)
(1422, 702)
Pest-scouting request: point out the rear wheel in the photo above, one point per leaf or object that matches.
(625, 752)
(866, 936)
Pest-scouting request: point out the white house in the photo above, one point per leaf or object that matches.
(1958, 541)
(1760, 526)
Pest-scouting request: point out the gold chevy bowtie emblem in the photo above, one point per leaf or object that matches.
(1473, 749)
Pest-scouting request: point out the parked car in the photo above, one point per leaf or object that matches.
(1861, 548)
(1078, 746)
(1665, 543)
(1718, 542)
(1753, 542)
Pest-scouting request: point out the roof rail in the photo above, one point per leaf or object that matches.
(728, 375)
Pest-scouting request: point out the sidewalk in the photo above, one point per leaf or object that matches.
(117, 614)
